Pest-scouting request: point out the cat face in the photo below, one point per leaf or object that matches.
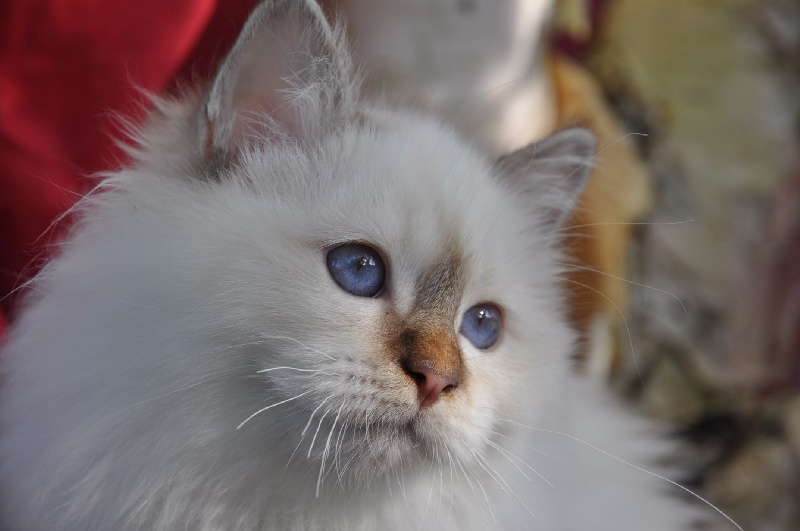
(455, 317)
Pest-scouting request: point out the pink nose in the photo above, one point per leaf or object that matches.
(430, 382)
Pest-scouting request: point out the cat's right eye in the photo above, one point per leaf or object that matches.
(357, 268)
(481, 324)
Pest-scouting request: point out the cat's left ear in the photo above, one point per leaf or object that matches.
(288, 77)
(552, 172)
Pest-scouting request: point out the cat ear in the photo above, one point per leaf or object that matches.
(554, 170)
(287, 77)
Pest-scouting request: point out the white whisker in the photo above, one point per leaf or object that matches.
(509, 490)
(624, 321)
(599, 272)
(452, 471)
(327, 448)
(296, 369)
(319, 425)
(430, 496)
(485, 497)
(492, 472)
(618, 223)
(617, 141)
(337, 450)
(305, 429)
(270, 407)
(438, 458)
(303, 433)
(475, 493)
(545, 454)
(503, 452)
(312, 349)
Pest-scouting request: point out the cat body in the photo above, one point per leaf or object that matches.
(190, 360)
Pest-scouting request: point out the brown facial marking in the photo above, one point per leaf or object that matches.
(433, 349)
(424, 343)
(439, 288)
(433, 360)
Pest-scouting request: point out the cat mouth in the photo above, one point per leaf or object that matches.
(414, 434)
(419, 428)
(411, 430)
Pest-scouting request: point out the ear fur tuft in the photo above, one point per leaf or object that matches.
(555, 170)
(287, 77)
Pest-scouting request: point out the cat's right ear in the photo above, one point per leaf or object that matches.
(287, 77)
(551, 172)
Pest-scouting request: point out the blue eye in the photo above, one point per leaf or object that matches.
(357, 269)
(481, 324)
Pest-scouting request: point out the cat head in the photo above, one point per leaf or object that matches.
(389, 287)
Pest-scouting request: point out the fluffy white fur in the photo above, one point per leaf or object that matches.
(131, 379)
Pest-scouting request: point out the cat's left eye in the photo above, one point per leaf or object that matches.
(481, 324)
(357, 268)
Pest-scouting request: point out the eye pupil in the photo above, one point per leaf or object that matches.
(357, 268)
(481, 324)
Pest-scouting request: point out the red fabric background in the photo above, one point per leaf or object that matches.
(66, 68)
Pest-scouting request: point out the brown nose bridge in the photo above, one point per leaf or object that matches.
(429, 352)
(434, 348)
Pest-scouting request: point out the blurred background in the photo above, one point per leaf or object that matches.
(686, 283)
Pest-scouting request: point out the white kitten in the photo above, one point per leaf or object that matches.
(295, 311)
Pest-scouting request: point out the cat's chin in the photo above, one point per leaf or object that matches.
(427, 438)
